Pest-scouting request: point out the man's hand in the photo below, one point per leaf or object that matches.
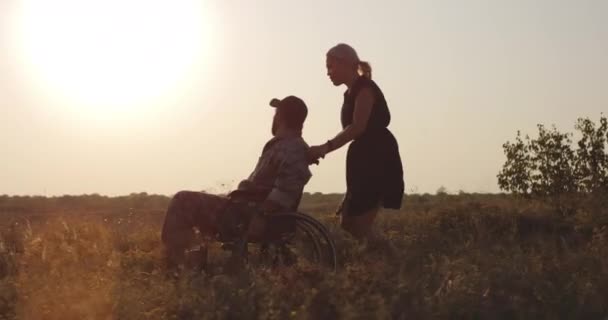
(317, 152)
(270, 207)
(257, 224)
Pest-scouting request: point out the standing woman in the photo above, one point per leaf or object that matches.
(374, 172)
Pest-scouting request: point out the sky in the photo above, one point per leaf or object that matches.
(114, 97)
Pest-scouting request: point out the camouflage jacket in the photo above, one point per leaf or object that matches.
(281, 172)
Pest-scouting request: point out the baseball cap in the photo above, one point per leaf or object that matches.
(295, 109)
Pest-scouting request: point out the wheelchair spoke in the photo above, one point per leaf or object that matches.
(311, 236)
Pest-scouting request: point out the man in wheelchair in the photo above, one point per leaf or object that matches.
(275, 185)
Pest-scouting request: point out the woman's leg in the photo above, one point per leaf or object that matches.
(360, 226)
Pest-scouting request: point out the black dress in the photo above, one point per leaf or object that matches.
(374, 172)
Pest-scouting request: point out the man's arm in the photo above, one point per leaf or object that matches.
(293, 174)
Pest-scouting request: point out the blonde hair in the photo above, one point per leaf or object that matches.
(348, 54)
(364, 69)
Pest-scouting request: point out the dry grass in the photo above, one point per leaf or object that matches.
(450, 257)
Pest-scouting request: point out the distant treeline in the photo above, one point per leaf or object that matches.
(153, 202)
(89, 203)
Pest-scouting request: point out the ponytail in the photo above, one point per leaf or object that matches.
(364, 69)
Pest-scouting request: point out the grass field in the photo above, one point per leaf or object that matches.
(441, 257)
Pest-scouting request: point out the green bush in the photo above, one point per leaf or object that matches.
(548, 166)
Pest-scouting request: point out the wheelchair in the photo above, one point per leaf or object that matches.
(291, 238)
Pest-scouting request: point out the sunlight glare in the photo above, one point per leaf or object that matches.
(112, 55)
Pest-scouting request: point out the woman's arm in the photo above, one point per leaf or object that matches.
(363, 108)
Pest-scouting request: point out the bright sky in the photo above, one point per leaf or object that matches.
(114, 97)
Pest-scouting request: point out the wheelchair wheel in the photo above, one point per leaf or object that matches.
(309, 245)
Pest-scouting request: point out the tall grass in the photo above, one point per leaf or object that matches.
(447, 257)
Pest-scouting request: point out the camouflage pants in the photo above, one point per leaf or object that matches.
(212, 215)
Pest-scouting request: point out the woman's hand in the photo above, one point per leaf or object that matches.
(363, 109)
(316, 152)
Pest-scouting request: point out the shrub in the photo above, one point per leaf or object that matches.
(548, 167)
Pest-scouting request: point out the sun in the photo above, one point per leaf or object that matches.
(112, 55)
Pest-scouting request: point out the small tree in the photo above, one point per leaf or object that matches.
(592, 161)
(516, 173)
(442, 191)
(539, 167)
(552, 163)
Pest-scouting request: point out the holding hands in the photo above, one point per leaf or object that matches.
(317, 152)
